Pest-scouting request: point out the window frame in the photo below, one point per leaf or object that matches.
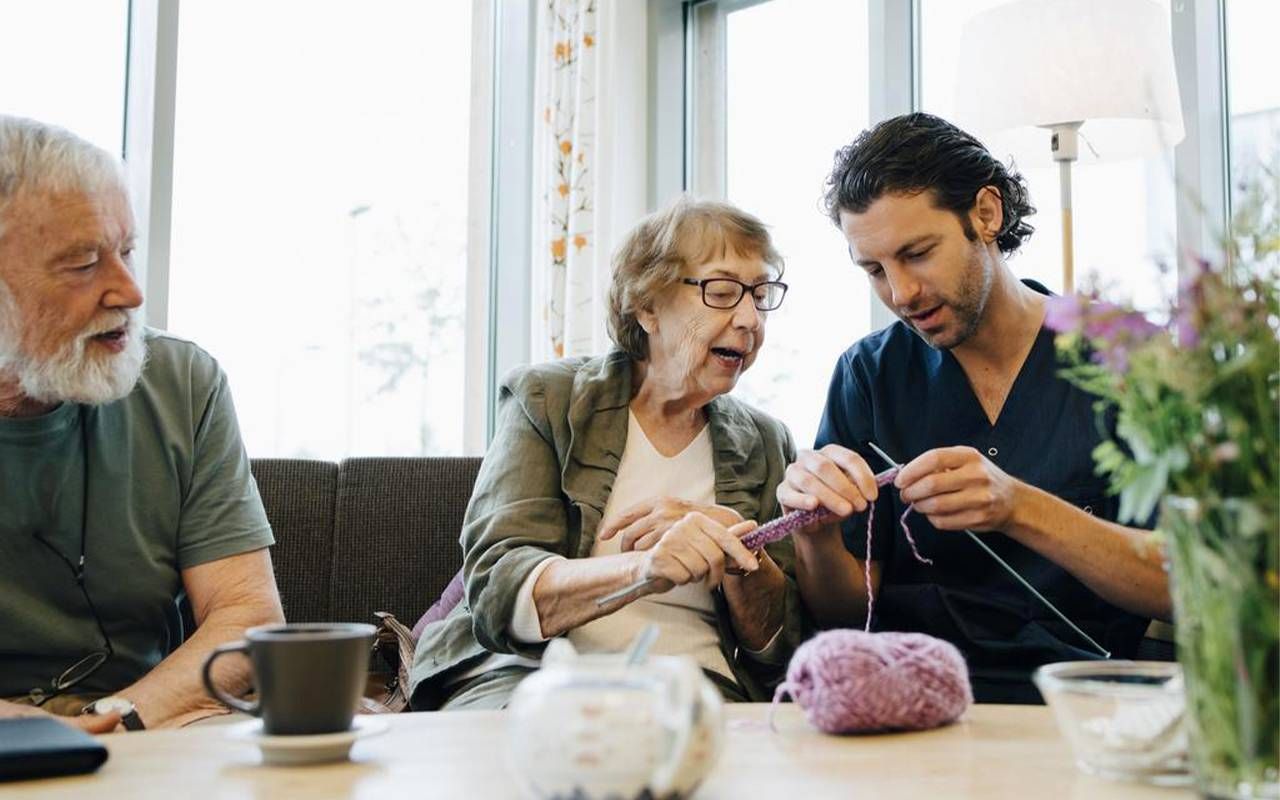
(498, 314)
(896, 91)
(510, 207)
(1201, 160)
(150, 105)
(497, 282)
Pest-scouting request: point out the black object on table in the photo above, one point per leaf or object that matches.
(37, 747)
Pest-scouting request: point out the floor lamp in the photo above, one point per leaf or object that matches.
(1061, 81)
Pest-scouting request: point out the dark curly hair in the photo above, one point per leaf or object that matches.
(918, 152)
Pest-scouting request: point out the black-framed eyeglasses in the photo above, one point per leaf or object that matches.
(80, 671)
(725, 293)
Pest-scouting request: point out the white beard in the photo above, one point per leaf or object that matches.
(75, 373)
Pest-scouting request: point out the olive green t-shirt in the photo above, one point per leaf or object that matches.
(169, 488)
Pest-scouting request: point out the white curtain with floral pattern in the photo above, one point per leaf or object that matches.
(589, 154)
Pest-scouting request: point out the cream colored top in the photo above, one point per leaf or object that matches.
(685, 615)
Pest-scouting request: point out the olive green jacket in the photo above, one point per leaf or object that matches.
(542, 490)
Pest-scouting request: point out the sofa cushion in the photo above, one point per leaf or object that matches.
(300, 498)
(395, 541)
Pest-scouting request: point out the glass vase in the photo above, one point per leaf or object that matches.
(1226, 598)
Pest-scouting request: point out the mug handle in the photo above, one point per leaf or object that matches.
(221, 650)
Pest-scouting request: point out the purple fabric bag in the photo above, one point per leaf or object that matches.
(450, 597)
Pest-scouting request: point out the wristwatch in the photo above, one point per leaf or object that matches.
(122, 706)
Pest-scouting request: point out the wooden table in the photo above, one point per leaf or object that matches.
(993, 752)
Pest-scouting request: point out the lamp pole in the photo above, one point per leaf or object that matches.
(1065, 144)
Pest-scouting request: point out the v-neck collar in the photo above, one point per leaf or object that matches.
(634, 425)
(598, 416)
(1033, 365)
(1040, 357)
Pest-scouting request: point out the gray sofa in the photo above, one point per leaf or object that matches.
(381, 534)
(365, 534)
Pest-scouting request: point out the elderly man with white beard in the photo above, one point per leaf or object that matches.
(124, 483)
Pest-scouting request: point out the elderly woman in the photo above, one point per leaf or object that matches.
(635, 465)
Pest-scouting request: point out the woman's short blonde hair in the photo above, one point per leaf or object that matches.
(664, 246)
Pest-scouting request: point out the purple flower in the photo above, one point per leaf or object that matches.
(1184, 328)
(1114, 357)
(1108, 323)
(1190, 301)
(1063, 313)
(1112, 330)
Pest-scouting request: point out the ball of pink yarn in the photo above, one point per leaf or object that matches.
(849, 681)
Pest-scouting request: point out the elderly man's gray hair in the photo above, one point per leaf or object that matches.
(35, 156)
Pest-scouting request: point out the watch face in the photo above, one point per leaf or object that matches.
(108, 704)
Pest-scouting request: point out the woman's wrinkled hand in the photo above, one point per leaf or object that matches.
(643, 524)
(695, 549)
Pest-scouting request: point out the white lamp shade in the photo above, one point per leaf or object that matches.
(1107, 64)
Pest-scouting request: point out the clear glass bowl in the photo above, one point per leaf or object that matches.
(1123, 719)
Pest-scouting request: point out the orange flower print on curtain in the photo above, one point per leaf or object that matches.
(564, 155)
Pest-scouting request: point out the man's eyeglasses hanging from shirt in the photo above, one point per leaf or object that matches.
(78, 672)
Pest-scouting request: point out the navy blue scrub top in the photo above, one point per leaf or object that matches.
(896, 390)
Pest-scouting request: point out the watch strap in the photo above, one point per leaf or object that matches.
(130, 719)
(132, 722)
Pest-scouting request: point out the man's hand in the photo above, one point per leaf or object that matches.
(958, 488)
(834, 477)
(643, 524)
(89, 723)
(695, 549)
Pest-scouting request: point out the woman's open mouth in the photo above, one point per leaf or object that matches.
(728, 357)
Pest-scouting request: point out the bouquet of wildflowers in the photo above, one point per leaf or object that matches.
(1197, 401)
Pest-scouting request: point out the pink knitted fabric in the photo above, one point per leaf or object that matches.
(850, 681)
(789, 523)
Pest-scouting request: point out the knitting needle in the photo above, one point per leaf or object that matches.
(1012, 572)
(629, 589)
(772, 531)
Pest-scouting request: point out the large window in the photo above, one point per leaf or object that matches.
(320, 218)
(792, 96)
(324, 158)
(1253, 97)
(1124, 212)
(63, 61)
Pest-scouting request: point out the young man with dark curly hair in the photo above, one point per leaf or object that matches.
(965, 391)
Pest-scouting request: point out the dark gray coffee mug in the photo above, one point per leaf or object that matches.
(309, 676)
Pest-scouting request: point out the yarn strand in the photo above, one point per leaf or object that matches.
(884, 479)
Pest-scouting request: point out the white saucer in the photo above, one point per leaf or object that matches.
(316, 749)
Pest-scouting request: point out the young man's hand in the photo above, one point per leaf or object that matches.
(958, 488)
